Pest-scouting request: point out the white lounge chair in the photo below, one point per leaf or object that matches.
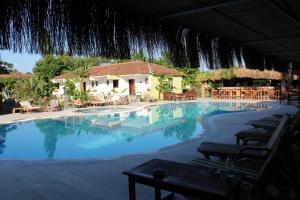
(26, 106)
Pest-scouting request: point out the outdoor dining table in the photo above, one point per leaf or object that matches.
(194, 181)
(258, 93)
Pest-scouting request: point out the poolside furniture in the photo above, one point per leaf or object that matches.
(78, 103)
(54, 105)
(123, 100)
(180, 97)
(268, 125)
(259, 172)
(148, 98)
(293, 97)
(257, 132)
(255, 93)
(168, 96)
(262, 134)
(214, 94)
(14, 110)
(98, 100)
(190, 95)
(193, 181)
(132, 98)
(26, 106)
(224, 150)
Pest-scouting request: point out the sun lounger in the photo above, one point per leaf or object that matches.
(259, 173)
(54, 105)
(268, 125)
(26, 106)
(148, 98)
(98, 100)
(259, 132)
(78, 103)
(262, 134)
(224, 150)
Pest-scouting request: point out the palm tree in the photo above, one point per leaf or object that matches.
(163, 85)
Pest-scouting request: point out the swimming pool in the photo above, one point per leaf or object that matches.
(100, 110)
(93, 136)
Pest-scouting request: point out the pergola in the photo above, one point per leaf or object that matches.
(264, 32)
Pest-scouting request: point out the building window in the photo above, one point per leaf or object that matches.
(115, 83)
(93, 84)
(107, 82)
(146, 80)
(96, 83)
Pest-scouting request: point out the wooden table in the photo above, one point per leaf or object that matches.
(184, 179)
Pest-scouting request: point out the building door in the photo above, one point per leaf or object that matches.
(131, 86)
(84, 86)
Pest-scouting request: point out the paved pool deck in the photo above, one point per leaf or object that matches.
(103, 179)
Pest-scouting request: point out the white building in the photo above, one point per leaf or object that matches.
(130, 78)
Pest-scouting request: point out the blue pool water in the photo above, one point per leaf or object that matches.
(99, 110)
(108, 136)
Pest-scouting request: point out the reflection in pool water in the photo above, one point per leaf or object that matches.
(93, 136)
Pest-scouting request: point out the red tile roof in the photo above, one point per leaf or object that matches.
(16, 75)
(136, 67)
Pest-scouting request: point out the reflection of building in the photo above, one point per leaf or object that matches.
(138, 122)
(130, 78)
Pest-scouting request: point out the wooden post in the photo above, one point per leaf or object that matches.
(283, 89)
(203, 90)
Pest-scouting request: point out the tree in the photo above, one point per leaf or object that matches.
(69, 88)
(190, 75)
(50, 66)
(30, 88)
(6, 67)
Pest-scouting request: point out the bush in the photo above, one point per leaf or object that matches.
(84, 96)
(69, 88)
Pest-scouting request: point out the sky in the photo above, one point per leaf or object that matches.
(22, 62)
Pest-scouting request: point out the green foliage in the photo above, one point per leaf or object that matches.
(164, 60)
(138, 56)
(31, 88)
(6, 94)
(8, 83)
(163, 84)
(6, 67)
(204, 76)
(69, 88)
(25, 88)
(84, 96)
(50, 66)
(190, 76)
(228, 73)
